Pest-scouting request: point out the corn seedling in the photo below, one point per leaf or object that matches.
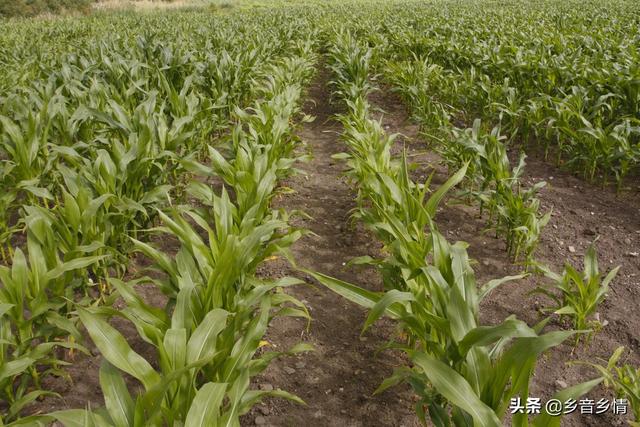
(580, 293)
(350, 62)
(624, 380)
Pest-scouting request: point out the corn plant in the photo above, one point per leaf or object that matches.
(624, 380)
(204, 368)
(463, 373)
(24, 164)
(418, 81)
(35, 295)
(80, 225)
(17, 368)
(350, 63)
(580, 293)
(497, 187)
(370, 146)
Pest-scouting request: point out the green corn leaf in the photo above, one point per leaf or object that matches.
(399, 375)
(434, 200)
(486, 335)
(609, 277)
(206, 406)
(116, 396)
(392, 297)
(202, 344)
(252, 397)
(4, 308)
(456, 390)
(116, 350)
(566, 310)
(163, 260)
(15, 367)
(351, 292)
(80, 418)
(31, 421)
(28, 398)
(94, 205)
(486, 289)
(175, 346)
(74, 264)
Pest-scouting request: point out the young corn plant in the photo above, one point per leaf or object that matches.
(496, 79)
(80, 224)
(24, 168)
(350, 62)
(35, 317)
(624, 380)
(612, 149)
(243, 231)
(204, 368)
(370, 146)
(513, 209)
(517, 211)
(580, 293)
(419, 82)
(7, 226)
(18, 388)
(131, 164)
(464, 373)
(262, 152)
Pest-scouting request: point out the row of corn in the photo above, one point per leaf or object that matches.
(101, 162)
(513, 209)
(562, 79)
(462, 372)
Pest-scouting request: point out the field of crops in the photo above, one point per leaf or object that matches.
(325, 213)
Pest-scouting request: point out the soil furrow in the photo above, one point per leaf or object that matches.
(338, 378)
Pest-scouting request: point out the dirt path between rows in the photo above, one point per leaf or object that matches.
(337, 379)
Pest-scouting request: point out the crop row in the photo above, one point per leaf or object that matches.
(101, 161)
(564, 78)
(462, 372)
